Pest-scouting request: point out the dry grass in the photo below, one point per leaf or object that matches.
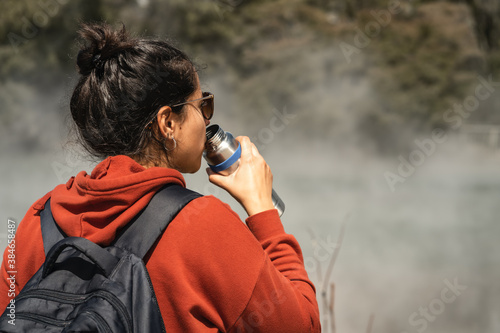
(328, 298)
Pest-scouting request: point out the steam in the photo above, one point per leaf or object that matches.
(441, 223)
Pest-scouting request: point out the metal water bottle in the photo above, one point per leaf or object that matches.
(222, 153)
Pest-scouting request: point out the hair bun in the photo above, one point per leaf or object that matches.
(101, 42)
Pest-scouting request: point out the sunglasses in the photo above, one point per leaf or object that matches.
(206, 107)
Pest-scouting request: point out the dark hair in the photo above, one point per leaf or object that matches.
(124, 82)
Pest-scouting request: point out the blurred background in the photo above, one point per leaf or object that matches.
(379, 120)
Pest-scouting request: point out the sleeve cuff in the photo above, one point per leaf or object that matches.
(265, 224)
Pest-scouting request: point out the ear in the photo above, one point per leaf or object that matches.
(167, 122)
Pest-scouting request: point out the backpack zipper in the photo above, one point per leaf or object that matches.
(116, 304)
(42, 319)
(101, 322)
(53, 295)
(76, 299)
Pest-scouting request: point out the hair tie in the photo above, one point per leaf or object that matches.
(97, 62)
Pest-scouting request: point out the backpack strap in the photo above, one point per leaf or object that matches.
(142, 232)
(51, 233)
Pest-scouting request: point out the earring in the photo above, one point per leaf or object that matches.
(165, 141)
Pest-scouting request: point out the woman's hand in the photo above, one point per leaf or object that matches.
(252, 183)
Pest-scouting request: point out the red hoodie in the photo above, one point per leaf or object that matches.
(209, 271)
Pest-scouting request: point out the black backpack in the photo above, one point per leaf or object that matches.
(83, 287)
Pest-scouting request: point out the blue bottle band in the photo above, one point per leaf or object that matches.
(227, 163)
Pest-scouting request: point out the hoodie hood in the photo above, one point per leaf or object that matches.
(98, 205)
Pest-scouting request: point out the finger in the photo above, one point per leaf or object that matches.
(216, 178)
(246, 148)
(209, 171)
(241, 138)
(252, 149)
(213, 175)
(244, 142)
(255, 151)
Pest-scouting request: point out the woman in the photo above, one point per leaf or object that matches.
(139, 107)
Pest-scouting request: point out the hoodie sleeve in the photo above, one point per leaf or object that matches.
(284, 298)
(211, 273)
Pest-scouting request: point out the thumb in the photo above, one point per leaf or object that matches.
(216, 178)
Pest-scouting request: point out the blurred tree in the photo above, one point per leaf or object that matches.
(37, 37)
(269, 50)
